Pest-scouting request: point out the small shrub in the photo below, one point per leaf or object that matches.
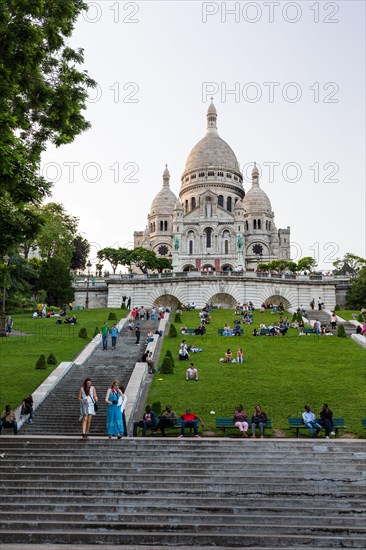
(166, 366)
(51, 359)
(112, 316)
(83, 333)
(169, 354)
(123, 306)
(156, 407)
(294, 317)
(172, 331)
(341, 332)
(360, 318)
(96, 332)
(337, 307)
(177, 318)
(41, 363)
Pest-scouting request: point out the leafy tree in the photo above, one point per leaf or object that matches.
(162, 263)
(306, 264)
(112, 255)
(356, 296)
(81, 249)
(263, 267)
(55, 278)
(350, 263)
(143, 258)
(58, 231)
(42, 98)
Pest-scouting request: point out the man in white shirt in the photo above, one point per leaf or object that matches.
(310, 422)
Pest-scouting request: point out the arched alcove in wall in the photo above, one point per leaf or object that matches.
(224, 299)
(276, 299)
(167, 300)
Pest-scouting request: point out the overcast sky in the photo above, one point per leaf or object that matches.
(288, 81)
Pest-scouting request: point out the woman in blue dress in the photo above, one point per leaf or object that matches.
(114, 400)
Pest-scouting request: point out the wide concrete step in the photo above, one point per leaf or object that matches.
(197, 539)
(186, 477)
(167, 517)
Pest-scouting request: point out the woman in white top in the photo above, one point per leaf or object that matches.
(87, 397)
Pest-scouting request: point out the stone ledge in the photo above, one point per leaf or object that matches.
(133, 391)
(361, 340)
(40, 394)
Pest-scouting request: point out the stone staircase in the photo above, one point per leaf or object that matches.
(59, 413)
(182, 493)
(324, 317)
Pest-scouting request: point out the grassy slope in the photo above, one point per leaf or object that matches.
(347, 313)
(282, 374)
(18, 355)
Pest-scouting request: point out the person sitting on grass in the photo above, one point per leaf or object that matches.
(256, 332)
(7, 420)
(227, 330)
(183, 351)
(183, 329)
(228, 357)
(192, 373)
(240, 420)
(190, 420)
(310, 422)
(237, 330)
(239, 356)
(259, 420)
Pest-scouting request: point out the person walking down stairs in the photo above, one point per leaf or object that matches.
(88, 404)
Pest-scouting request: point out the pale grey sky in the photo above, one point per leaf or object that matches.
(296, 72)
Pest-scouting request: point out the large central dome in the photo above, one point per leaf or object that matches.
(211, 151)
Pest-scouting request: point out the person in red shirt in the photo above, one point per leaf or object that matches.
(190, 420)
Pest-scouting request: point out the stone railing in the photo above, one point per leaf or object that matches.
(102, 282)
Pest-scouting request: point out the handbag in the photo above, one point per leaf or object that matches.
(95, 404)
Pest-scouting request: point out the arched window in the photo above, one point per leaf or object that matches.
(193, 203)
(220, 200)
(161, 226)
(226, 247)
(266, 225)
(269, 225)
(259, 224)
(254, 224)
(165, 226)
(229, 204)
(186, 207)
(190, 249)
(246, 226)
(208, 232)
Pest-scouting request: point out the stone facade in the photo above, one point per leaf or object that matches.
(201, 288)
(214, 225)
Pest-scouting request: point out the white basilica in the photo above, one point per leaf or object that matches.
(214, 225)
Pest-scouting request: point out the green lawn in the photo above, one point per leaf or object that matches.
(346, 314)
(18, 354)
(282, 374)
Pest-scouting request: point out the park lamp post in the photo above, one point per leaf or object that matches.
(3, 320)
(88, 265)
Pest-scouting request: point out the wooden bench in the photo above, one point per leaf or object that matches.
(363, 422)
(298, 424)
(177, 426)
(308, 331)
(220, 332)
(228, 423)
(266, 332)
